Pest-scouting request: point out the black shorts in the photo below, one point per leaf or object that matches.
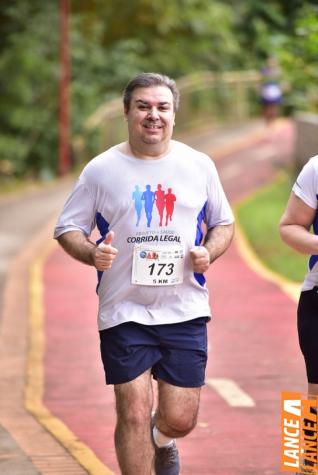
(307, 316)
(176, 353)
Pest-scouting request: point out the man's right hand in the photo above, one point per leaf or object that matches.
(104, 254)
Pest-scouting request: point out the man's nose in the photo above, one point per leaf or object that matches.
(153, 113)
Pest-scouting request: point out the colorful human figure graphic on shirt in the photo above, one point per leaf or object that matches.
(160, 202)
(148, 197)
(137, 197)
(170, 199)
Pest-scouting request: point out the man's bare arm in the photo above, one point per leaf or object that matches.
(77, 245)
(216, 241)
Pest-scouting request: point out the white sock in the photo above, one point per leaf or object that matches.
(160, 439)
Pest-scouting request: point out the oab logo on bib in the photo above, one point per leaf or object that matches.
(157, 265)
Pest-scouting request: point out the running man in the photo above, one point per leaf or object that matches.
(170, 198)
(160, 202)
(155, 326)
(137, 197)
(148, 197)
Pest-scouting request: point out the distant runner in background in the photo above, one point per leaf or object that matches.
(271, 94)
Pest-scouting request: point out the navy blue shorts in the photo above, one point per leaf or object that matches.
(176, 353)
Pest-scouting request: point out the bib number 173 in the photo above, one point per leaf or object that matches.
(157, 269)
(158, 266)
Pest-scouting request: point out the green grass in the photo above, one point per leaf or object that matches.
(259, 216)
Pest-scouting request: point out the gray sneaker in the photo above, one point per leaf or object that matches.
(167, 460)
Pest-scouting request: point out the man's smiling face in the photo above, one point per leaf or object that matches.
(150, 116)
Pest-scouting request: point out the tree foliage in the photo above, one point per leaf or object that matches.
(29, 80)
(111, 41)
(298, 55)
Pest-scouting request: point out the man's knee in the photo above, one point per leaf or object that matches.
(178, 409)
(179, 423)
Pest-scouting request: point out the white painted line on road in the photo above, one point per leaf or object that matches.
(231, 392)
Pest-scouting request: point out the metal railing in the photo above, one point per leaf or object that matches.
(207, 99)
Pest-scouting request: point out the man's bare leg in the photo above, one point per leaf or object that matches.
(177, 411)
(134, 402)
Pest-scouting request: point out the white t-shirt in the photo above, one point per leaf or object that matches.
(160, 202)
(306, 188)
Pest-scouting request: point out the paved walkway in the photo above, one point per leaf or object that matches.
(253, 349)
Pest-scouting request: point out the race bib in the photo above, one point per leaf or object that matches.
(157, 265)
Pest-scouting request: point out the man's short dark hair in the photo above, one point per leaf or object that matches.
(150, 80)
